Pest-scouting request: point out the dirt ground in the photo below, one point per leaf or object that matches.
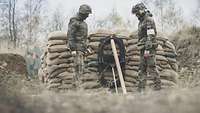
(17, 95)
(20, 96)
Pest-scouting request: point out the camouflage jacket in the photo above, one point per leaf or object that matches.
(145, 24)
(77, 34)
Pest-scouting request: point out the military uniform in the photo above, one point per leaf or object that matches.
(77, 38)
(77, 34)
(147, 45)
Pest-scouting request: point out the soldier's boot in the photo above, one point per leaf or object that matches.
(156, 77)
(157, 83)
(141, 86)
(156, 80)
(76, 77)
(142, 81)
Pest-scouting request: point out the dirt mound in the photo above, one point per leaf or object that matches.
(188, 55)
(187, 45)
(13, 63)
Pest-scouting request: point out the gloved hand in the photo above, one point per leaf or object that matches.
(87, 51)
(146, 54)
(73, 53)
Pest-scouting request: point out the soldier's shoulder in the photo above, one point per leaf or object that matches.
(149, 18)
(74, 19)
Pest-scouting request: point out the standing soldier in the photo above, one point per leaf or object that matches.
(147, 45)
(77, 38)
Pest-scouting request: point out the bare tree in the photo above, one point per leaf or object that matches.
(113, 20)
(58, 20)
(169, 15)
(32, 18)
(14, 32)
(196, 15)
(8, 20)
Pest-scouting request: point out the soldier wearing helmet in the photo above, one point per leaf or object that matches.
(77, 37)
(147, 45)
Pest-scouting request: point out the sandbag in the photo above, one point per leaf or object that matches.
(161, 58)
(131, 63)
(169, 45)
(56, 42)
(134, 68)
(165, 66)
(55, 80)
(65, 75)
(131, 73)
(170, 54)
(170, 75)
(132, 42)
(89, 77)
(57, 35)
(171, 60)
(55, 73)
(52, 86)
(129, 84)
(159, 48)
(131, 48)
(90, 85)
(134, 58)
(130, 79)
(59, 61)
(53, 68)
(52, 56)
(132, 53)
(58, 49)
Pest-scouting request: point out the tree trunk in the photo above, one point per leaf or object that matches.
(13, 24)
(10, 19)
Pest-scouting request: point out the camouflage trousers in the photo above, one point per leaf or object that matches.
(148, 66)
(78, 67)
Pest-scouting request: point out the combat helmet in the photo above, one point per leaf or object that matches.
(85, 9)
(137, 7)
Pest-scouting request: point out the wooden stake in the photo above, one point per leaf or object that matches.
(115, 82)
(118, 66)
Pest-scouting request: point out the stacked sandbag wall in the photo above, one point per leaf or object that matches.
(57, 68)
(58, 71)
(57, 63)
(166, 61)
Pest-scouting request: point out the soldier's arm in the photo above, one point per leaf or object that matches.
(73, 26)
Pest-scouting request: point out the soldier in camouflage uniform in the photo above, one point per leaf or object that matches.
(77, 38)
(147, 45)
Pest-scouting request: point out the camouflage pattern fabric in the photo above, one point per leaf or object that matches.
(148, 43)
(77, 34)
(78, 67)
(77, 39)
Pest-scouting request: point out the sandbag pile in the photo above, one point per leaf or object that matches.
(166, 61)
(58, 71)
(57, 63)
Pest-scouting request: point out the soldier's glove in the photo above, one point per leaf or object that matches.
(73, 53)
(146, 54)
(88, 51)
